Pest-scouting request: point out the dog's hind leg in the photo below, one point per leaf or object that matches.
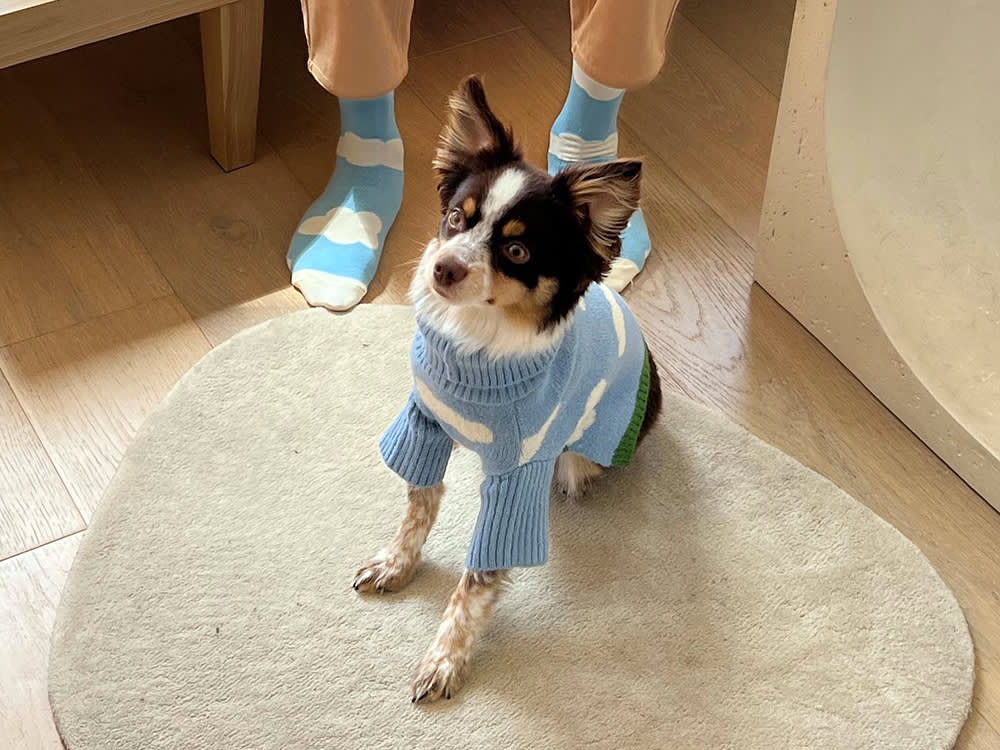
(393, 567)
(574, 472)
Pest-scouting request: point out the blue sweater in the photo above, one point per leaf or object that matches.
(587, 394)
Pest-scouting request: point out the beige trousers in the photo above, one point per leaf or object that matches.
(357, 48)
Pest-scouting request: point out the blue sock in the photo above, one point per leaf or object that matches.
(587, 130)
(336, 248)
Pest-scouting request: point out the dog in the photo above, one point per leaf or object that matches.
(521, 355)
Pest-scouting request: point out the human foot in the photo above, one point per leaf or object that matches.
(335, 251)
(586, 130)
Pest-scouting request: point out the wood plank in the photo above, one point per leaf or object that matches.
(47, 28)
(231, 45)
(439, 24)
(711, 122)
(525, 84)
(978, 734)
(754, 34)
(301, 121)
(219, 239)
(86, 389)
(66, 254)
(30, 587)
(35, 507)
(549, 21)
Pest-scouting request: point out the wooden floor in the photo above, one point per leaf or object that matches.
(126, 254)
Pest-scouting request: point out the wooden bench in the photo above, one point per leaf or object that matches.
(231, 34)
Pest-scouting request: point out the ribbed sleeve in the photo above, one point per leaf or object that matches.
(416, 448)
(513, 525)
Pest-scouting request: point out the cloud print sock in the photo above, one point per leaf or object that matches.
(335, 251)
(586, 130)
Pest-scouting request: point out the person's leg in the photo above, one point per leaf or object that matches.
(617, 45)
(357, 51)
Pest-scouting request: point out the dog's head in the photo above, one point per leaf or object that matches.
(516, 248)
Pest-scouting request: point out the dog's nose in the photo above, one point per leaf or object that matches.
(450, 271)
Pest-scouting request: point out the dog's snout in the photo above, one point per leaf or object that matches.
(450, 271)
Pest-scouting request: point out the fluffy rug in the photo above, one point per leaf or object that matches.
(716, 594)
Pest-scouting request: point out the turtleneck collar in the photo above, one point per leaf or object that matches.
(476, 376)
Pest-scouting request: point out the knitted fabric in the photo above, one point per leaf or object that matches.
(335, 251)
(586, 130)
(587, 394)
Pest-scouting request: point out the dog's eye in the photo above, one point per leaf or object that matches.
(456, 219)
(516, 252)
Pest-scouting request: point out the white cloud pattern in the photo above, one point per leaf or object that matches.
(474, 432)
(344, 226)
(571, 147)
(617, 317)
(531, 445)
(371, 152)
(589, 412)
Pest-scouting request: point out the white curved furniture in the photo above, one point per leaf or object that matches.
(881, 224)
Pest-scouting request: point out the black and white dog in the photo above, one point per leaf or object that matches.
(511, 363)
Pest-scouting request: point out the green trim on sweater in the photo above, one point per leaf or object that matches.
(626, 447)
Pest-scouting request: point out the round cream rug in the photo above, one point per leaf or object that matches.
(716, 594)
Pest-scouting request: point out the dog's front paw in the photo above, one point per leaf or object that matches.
(439, 675)
(385, 572)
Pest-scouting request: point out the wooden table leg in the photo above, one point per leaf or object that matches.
(231, 37)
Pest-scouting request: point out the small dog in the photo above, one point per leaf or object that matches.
(521, 355)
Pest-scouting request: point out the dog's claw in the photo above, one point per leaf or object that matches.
(382, 574)
(437, 677)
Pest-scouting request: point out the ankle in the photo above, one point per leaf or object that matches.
(591, 108)
(369, 118)
(369, 138)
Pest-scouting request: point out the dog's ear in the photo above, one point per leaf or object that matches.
(472, 137)
(603, 196)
